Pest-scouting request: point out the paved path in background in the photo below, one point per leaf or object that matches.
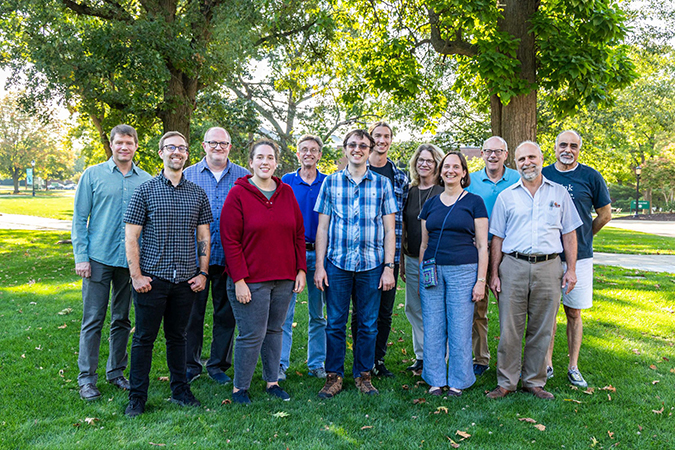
(650, 263)
(659, 228)
(20, 222)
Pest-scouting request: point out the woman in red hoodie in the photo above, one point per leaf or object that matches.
(263, 237)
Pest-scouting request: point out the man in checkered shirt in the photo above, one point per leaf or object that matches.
(167, 210)
(355, 247)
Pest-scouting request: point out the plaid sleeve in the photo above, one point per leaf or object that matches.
(205, 213)
(388, 200)
(323, 202)
(136, 211)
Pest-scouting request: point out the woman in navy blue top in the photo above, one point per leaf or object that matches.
(454, 234)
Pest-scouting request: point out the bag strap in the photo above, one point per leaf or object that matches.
(446, 218)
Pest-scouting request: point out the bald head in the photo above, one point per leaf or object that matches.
(217, 145)
(529, 160)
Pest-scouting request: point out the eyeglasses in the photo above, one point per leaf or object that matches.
(174, 148)
(313, 151)
(573, 145)
(353, 145)
(496, 151)
(427, 162)
(214, 144)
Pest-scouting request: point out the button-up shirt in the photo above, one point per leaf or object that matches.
(169, 216)
(401, 189)
(534, 224)
(217, 191)
(102, 196)
(306, 195)
(356, 230)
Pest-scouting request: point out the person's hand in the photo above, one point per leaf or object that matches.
(242, 292)
(142, 284)
(300, 282)
(478, 291)
(387, 280)
(569, 280)
(198, 283)
(83, 269)
(320, 278)
(495, 285)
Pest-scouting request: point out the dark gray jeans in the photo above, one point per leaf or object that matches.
(95, 295)
(259, 322)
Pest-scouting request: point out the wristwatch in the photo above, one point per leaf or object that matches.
(390, 265)
(201, 272)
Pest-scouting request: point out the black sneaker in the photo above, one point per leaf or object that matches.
(241, 397)
(276, 391)
(480, 369)
(135, 408)
(185, 398)
(89, 392)
(380, 370)
(417, 366)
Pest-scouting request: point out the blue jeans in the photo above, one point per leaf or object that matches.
(367, 306)
(447, 311)
(316, 335)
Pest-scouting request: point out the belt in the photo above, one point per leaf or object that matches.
(309, 246)
(533, 258)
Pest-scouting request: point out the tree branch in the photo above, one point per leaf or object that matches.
(272, 36)
(115, 12)
(443, 46)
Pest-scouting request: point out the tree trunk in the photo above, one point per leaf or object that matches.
(517, 121)
(15, 179)
(179, 103)
(102, 135)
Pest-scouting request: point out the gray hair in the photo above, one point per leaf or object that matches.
(581, 141)
(533, 143)
(310, 137)
(500, 139)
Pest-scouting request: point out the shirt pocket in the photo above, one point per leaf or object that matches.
(553, 214)
(371, 206)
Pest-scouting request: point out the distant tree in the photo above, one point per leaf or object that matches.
(24, 139)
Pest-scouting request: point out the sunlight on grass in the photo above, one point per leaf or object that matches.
(616, 240)
(53, 206)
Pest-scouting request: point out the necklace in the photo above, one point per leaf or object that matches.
(419, 196)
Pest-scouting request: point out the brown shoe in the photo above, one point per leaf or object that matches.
(498, 392)
(539, 393)
(364, 385)
(332, 387)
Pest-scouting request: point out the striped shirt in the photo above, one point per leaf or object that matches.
(356, 230)
(201, 175)
(401, 189)
(169, 216)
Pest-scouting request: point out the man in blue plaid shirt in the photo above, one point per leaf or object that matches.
(216, 174)
(355, 247)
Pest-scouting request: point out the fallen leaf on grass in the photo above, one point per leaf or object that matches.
(640, 427)
(589, 391)
(665, 359)
(404, 351)
(294, 324)
(280, 414)
(389, 344)
(610, 434)
(405, 387)
(441, 409)
(453, 444)
(76, 424)
(527, 419)
(609, 397)
(65, 312)
(91, 420)
(540, 427)
(608, 388)
(653, 367)
(594, 441)
(366, 427)
(657, 411)
(636, 351)
(655, 381)
(299, 373)
(571, 400)
(400, 305)
(62, 326)
(419, 400)
(157, 445)
(464, 434)
(163, 378)
(672, 370)
(400, 339)
(23, 356)
(227, 401)
(350, 346)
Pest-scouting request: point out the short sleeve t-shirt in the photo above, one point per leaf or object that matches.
(413, 228)
(588, 190)
(457, 239)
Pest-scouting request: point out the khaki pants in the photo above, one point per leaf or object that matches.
(530, 298)
(479, 329)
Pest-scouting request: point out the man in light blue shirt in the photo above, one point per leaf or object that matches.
(102, 196)
(532, 222)
(488, 183)
(216, 174)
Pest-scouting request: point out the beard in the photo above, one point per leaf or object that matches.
(566, 158)
(529, 176)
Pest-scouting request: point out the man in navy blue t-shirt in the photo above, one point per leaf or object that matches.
(588, 191)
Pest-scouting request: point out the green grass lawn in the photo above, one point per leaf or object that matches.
(616, 240)
(628, 359)
(54, 205)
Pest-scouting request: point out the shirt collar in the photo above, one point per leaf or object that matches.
(112, 166)
(484, 175)
(202, 165)
(366, 176)
(301, 181)
(168, 182)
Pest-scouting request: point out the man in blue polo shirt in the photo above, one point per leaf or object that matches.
(588, 191)
(488, 183)
(216, 174)
(306, 183)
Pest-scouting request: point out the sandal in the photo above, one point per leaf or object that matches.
(454, 392)
(436, 391)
